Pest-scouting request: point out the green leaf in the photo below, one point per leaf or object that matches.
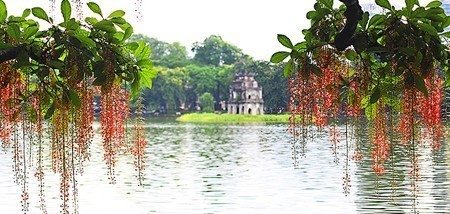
(311, 14)
(105, 25)
(351, 72)
(71, 25)
(435, 18)
(74, 99)
(364, 21)
(436, 11)
(143, 51)
(3, 12)
(122, 26)
(371, 111)
(300, 46)
(66, 10)
(134, 87)
(50, 111)
(145, 63)
(128, 33)
(23, 63)
(288, 68)
(13, 31)
(5, 45)
(132, 46)
(327, 3)
(56, 64)
(118, 21)
(117, 37)
(42, 72)
(409, 5)
(84, 40)
(16, 20)
(419, 83)
(95, 8)
(26, 13)
(434, 4)
(419, 12)
(350, 55)
(446, 22)
(428, 28)
(279, 56)
(40, 13)
(407, 51)
(146, 76)
(419, 57)
(376, 94)
(376, 20)
(295, 54)
(29, 32)
(285, 41)
(116, 14)
(91, 20)
(384, 3)
(446, 34)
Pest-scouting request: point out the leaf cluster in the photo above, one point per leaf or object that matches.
(406, 43)
(66, 53)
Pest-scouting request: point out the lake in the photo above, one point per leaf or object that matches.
(192, 168)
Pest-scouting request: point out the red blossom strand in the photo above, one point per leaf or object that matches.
(431, 110)
(114, 103)
(381, 144)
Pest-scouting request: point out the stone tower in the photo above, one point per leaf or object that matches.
(245, 95)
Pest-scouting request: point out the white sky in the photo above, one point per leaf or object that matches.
(252, 25)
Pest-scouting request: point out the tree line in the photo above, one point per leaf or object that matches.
(184, 78)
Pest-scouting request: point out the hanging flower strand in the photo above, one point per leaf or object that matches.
(138, 10)
(383, 67)
(47, 81)
(139, 141)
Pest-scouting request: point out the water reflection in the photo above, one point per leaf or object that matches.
(239, 168)
(394, 192)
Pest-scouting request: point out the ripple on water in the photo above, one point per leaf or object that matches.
(239, 169)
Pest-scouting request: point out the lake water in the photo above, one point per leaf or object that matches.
(239, 169)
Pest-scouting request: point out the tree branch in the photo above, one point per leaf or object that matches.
(353, 13)
(9, 53)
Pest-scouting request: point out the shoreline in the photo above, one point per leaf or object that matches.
(232, 118)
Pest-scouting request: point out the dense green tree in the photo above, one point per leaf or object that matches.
(212, 79)
(168, 92)
(207, 102)
(214, 51)
(170, 55)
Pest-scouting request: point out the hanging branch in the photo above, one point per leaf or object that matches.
(10, 53)
(353, 13)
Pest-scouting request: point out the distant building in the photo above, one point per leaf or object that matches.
(446, 6)
(245, 95)
(372, 8)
